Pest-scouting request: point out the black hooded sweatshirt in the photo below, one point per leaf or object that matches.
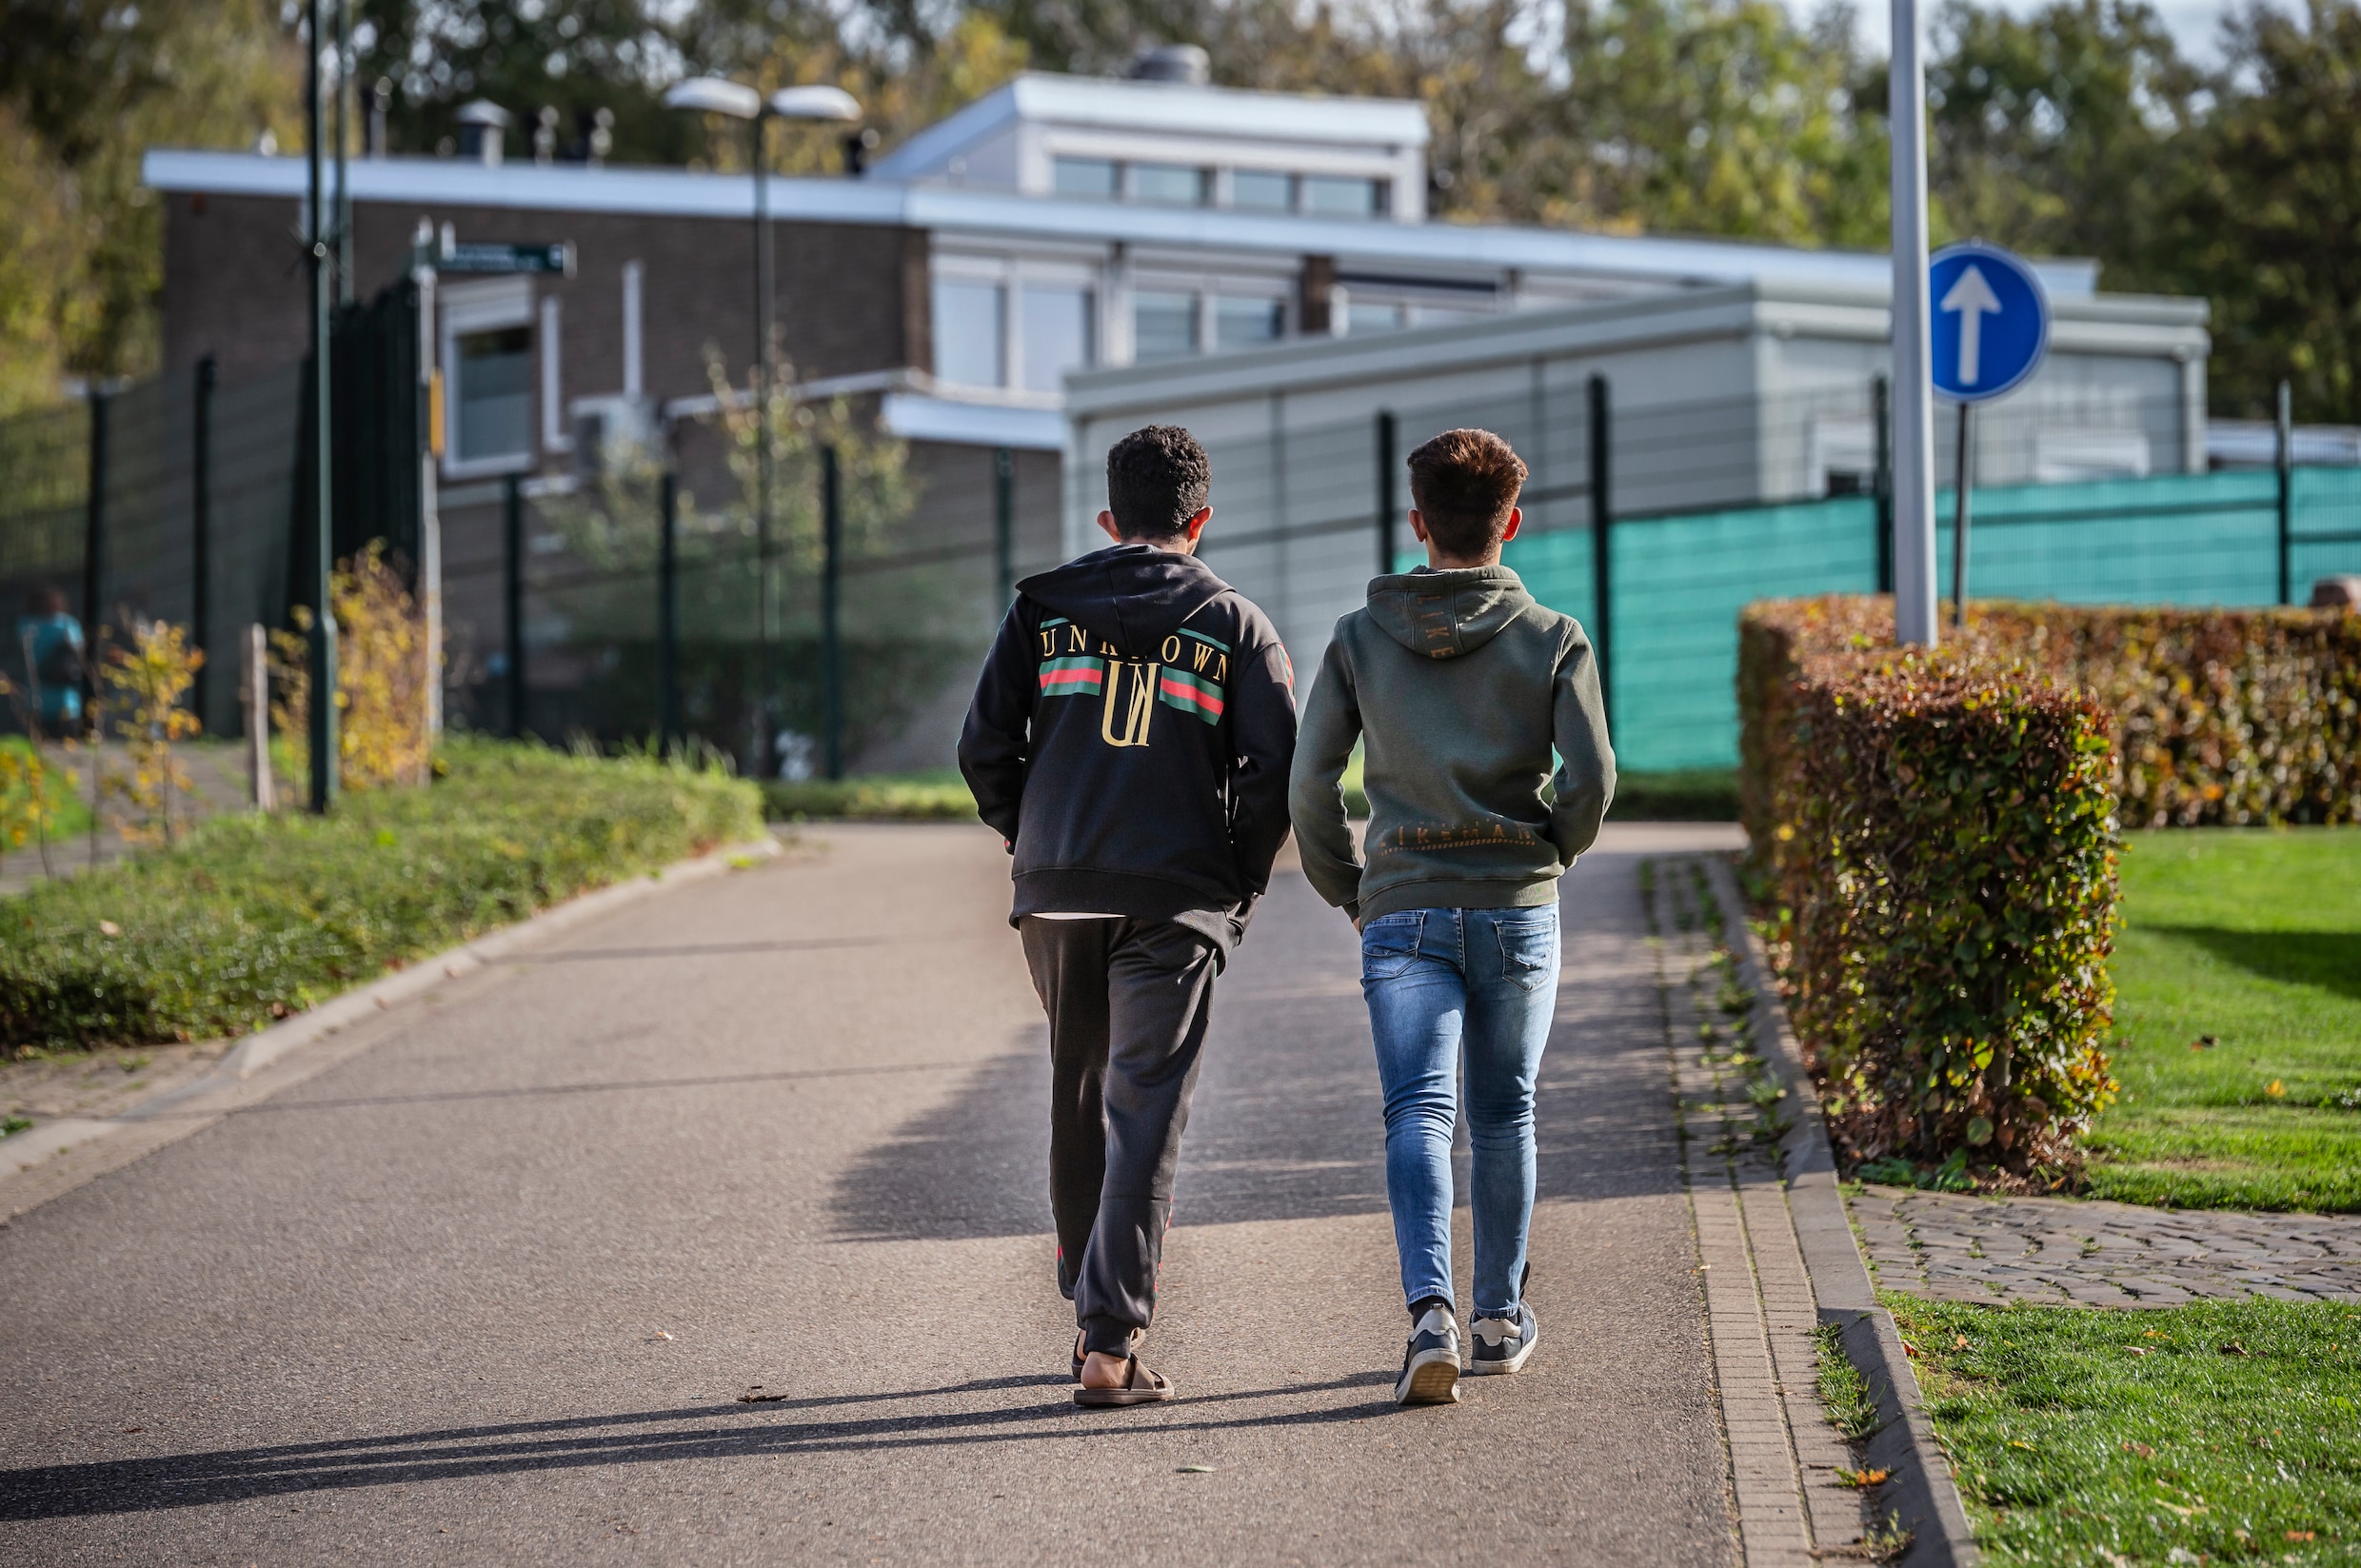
(1130, 739)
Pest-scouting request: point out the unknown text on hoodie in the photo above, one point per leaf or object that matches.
(1461, 685)
(1130, 737)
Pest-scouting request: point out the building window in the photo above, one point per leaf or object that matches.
(970, 350)
(1168, 185)
(488, 371)
(1057, 324)
(1246, 323)
(1371, 317)
(1162, 326)
(1088, 178)
(1259, 191)
(1331, 196)
(494, 405)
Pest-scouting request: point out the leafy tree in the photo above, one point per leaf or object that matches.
(85, 89)
(2052, 130)
(2266, 218)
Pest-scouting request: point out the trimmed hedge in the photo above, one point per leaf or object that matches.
(2219, 716)
(1943, 851)
(255, 918)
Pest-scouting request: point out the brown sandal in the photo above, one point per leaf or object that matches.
(1082, 1334)
(1139, 1386)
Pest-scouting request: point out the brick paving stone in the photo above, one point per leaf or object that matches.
(2040, 1249)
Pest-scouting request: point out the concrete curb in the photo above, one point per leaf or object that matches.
(29, 1150)
(1922, 1496)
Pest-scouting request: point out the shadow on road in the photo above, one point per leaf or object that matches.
(1288, 1123)
(720, 1432)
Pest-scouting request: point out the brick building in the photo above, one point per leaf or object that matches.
(1055, 226)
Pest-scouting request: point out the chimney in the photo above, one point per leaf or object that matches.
(1182, 63)
(481, 127)
(546, 135)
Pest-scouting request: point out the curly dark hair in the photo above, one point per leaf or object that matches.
(1465, 482)
(1156, 480)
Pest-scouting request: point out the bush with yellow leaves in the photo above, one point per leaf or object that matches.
(383, 664)
(144, 682)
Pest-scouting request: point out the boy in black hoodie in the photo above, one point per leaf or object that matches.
(1130, 739)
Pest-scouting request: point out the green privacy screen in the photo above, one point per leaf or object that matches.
(1678, 583)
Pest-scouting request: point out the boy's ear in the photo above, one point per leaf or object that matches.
(1418, 525)
(1516, 520)
(1106, 522)
(1197, 524)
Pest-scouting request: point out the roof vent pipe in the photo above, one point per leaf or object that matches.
(1183, 63)
(482, 126)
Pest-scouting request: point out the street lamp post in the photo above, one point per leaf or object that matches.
(716, 95)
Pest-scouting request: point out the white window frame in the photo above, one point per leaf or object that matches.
(554, 437)
(485, 305)
(1012, 274)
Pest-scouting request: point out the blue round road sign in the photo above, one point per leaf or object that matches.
(1992, 321)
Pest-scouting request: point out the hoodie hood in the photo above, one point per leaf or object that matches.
(1132, 595)
(1444, 614)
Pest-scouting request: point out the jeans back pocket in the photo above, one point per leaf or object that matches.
(1528, 941)
(1389, 944)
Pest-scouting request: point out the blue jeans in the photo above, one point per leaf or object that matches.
(1446, 986)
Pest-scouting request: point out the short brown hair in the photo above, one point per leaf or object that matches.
(1157, 478)
(1464, 484)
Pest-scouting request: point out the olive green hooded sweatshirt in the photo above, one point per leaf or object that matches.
(1462, 685)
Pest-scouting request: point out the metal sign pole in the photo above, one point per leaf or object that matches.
(1960, 508)
(325, 745)
(1913, 412)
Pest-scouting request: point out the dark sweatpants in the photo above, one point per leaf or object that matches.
(1128, 1002)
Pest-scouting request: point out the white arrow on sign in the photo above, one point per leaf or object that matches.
(1973, 299)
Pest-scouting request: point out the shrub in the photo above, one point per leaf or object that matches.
(382, 670)
(2219, 716)
(1946, 882)
(256, 917)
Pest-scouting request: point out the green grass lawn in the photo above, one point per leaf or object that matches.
(2218, 1432)
(2253, 938)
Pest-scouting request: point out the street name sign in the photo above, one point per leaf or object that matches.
(1992, 321)
(556, 258)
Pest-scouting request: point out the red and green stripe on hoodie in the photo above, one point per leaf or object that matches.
(1084, 675)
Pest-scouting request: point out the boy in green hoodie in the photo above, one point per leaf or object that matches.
(1461, 686)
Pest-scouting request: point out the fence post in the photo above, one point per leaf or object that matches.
(512, 587)
(1881, 481)
(1004, 525)
(1602, 524)
(254, 696)
(2284, 462)
(669, 612)
(1386, 502)
(94, 520)
(201, 530)
(831, 607)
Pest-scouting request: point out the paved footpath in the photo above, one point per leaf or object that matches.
(1962, 1248)
(489, 1285)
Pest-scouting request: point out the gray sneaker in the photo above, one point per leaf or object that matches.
(1430, 1373)
(1502, 1344)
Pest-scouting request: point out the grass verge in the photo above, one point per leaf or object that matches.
(2216, 1432)
(931, 795)
(2237, 1022)
(255, 918)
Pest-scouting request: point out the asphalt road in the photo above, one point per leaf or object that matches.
(489, 1290)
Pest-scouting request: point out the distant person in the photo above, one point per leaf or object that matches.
(1129, 740)
(50, 641)
(1461, 685)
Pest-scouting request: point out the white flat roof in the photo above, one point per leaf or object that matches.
(1173, 109)
(439, 184)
